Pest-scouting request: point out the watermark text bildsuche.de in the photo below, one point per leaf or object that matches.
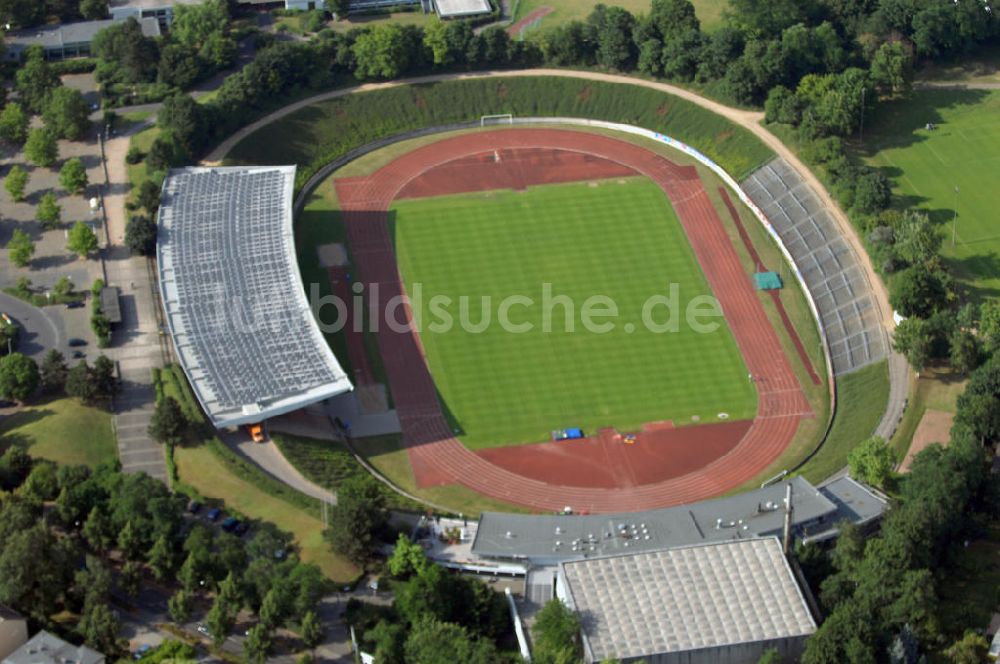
(660, 313)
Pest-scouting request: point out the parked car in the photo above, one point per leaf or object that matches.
(76, 341)
(213, 514)
(230, 523)
(203, 630)
(241, 528)
(79, 354)
(194, 507)
(4, 403)
(141, 651)
(74, 304)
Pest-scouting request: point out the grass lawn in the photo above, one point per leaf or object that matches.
(62, 430)
(204, 471)
(861, 398)
(504, 387)
(143, 140)
(389, 457)
(709, 11)
(928, 165)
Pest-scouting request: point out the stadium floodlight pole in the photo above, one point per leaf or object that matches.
(954, 219)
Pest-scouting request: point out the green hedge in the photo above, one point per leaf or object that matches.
(321, 132)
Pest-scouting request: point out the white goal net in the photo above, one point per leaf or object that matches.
(500, 118)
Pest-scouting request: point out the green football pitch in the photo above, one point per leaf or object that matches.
(616, 238)
(947, 169)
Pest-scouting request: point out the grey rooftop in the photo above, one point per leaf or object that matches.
(52, 37)
(45, 648)
(554, 537)
(233, 298)
(453, 8)
(684, 599)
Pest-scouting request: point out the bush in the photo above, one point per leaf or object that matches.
(134, 155)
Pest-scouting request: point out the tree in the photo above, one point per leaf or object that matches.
(131, 578)
(97, 530)
(917, 240)
(557, 633)
(40, 148)
(129, 541)
(872, 462)
(613, 26)
(79, 383)
(140, 235)
(124, 54)
(82, 240)
(913, 338)
(917, 291)
(408, 558)
(49, 212)
(357, 518)
(13, 124)
(148, 197)
(166, 152)
(673, 17)
(257, 644)
(103, 377)
(771, 656)
(180, 606)
(16, 182)
(871, 192)
(22, 13)
(20, 248)
(194, 24)
(94, 10)
(965, 353)
(185, 119)
(35, 79)
(382, 52)
(73, 176)
(18, 377)
(34, 571)
(892, 69)
(161, 558)
(970, 649)
(168, 424)
(41, 483)
(52, 373)
(434, 642)
(99, 627)
(220, 620)
(66, 113)
(312, 630)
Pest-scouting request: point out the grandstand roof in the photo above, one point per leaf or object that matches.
(453, 8)
(240, 321)
(684, 599)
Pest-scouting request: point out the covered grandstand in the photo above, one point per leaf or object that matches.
(241, 325)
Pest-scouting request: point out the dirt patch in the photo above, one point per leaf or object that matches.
(332, 255)
(934, 427)
(516, 29)
(584, 94)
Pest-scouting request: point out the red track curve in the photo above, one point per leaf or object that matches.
(438, 457)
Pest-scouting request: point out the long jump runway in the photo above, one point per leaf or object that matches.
(702, 461)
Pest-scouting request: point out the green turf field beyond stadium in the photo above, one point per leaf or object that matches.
(927, 165)
(618, 238)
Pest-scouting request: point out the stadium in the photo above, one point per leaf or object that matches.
(547, 418)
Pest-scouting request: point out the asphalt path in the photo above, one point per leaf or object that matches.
(41, 330)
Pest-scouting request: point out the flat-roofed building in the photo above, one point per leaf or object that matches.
(45, 648)
(461, 8)
(68, 40)
(161, 10)
(242, 327)
(719, 603)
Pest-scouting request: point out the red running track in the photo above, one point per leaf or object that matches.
(438, 457)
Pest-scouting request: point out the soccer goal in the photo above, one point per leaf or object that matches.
(501, 118)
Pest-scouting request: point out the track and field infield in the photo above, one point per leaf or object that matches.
(438, 457)
(947, 170)
(616, 238)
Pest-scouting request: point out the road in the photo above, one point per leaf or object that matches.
(40, 329)
(269, 458)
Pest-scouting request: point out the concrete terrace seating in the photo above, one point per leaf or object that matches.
(830, 267)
